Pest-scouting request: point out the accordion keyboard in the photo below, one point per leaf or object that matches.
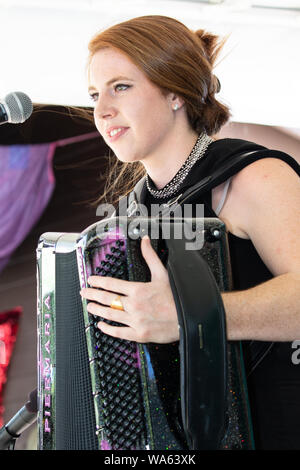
(117, 361)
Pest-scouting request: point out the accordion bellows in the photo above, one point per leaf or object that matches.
(100, 392)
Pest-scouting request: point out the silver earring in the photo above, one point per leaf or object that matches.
(176, 106)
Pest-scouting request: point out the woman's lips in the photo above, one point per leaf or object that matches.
(114, 133)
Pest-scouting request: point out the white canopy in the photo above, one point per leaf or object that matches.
(44, 49)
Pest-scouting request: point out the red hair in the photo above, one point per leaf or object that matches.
(175, 59)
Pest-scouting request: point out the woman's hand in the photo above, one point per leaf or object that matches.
(149, 313)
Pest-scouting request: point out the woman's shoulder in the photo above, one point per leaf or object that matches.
(262, 187)
(245, 163)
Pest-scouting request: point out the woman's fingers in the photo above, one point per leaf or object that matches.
(102, 296)
(157, 269)
(111, 284)
(108, 313)
(121, 332)
(166, 333)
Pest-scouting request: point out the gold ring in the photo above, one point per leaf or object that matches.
(117, 304)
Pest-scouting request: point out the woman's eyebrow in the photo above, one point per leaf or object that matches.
(115, 79)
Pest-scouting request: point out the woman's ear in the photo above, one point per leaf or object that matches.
(176, 101)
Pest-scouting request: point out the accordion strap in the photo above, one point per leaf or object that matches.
(234, 164)
(203, 351)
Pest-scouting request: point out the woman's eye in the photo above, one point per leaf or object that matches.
(121, 87)
(94, 96)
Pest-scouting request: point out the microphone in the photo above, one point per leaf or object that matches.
(15, 108)
(24, 418)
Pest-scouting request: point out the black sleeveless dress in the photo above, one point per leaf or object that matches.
(273, 380)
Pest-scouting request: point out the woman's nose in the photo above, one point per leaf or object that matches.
(104, 109)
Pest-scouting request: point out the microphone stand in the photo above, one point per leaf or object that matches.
(8, 442)
(7, 437)
(24, 418)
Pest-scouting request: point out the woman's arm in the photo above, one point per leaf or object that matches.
(264, 205)
(268, 312)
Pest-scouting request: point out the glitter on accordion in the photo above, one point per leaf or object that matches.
(136, 387)
(118, 385)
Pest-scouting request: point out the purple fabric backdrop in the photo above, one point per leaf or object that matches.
(26, 185)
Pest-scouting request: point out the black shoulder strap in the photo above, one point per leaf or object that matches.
(203, 346)
(232, 166)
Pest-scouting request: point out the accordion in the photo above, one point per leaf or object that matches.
(103, 393)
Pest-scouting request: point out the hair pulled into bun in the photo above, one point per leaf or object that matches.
(214, 114)
(212, 47)
(177, 60)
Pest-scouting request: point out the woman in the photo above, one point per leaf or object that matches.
(152, 82)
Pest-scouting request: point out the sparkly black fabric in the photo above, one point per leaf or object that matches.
(273, 380)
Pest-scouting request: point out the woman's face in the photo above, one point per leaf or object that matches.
(133, 116)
